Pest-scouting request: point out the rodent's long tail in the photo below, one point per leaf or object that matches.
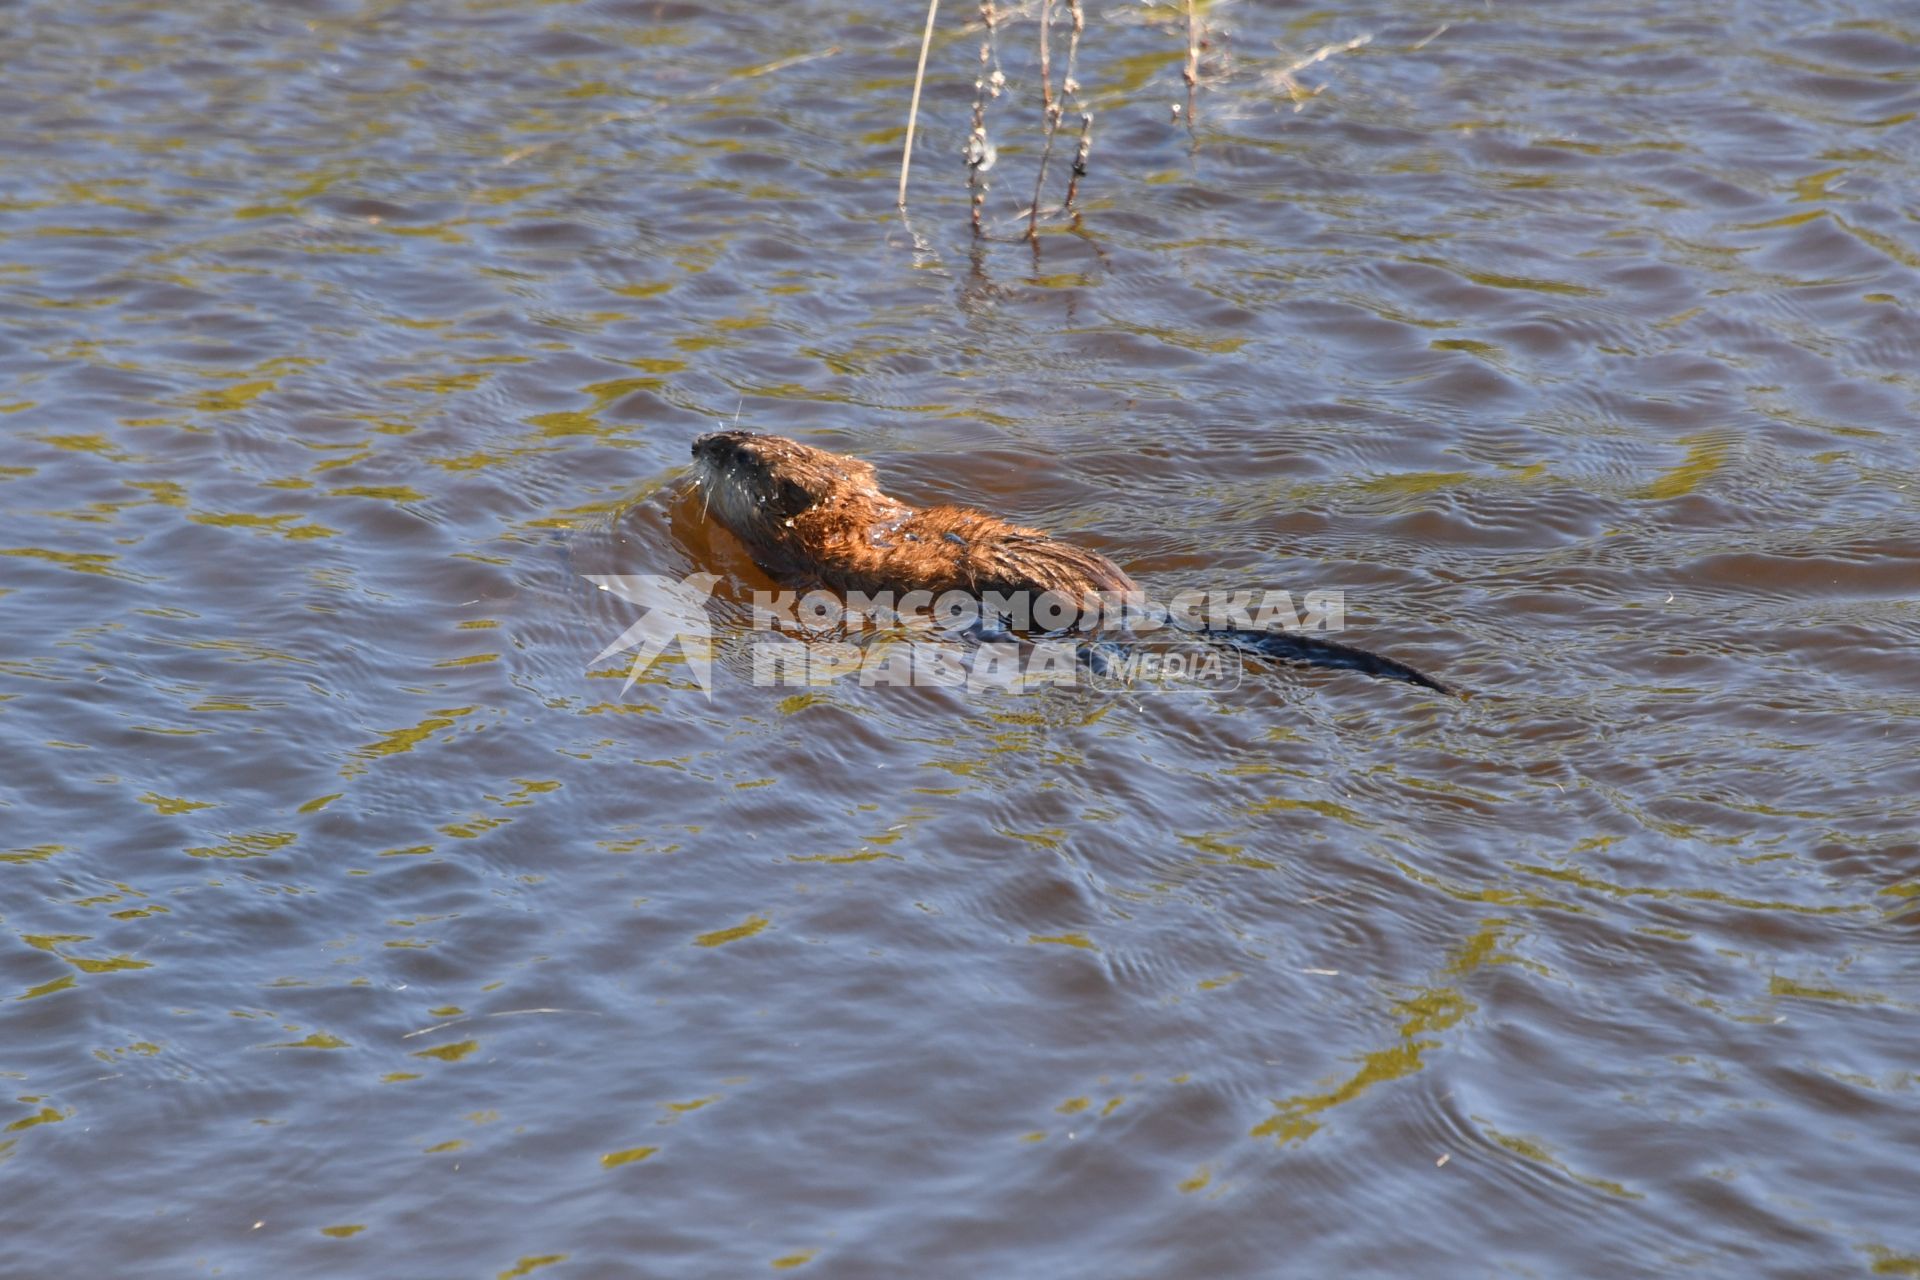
(1292, 647)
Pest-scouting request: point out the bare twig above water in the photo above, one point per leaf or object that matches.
(1070, 85)
(913, 108)
(986, 86)
(768, 68)
(1070, 88)
(1058, 96)
(1080, 157)
(1191, 71)
(1326, 51)
(1300, 94)
(1046, 66)
(1050, 112)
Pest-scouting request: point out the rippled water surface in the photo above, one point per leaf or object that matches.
(356, 924)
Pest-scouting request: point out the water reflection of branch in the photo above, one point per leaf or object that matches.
(924, 254)
(980, 291)
(977, 289)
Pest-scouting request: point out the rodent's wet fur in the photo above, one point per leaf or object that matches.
(812, 515)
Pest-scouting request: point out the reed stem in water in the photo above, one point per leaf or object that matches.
(913, 108)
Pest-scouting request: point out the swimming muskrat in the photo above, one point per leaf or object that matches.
(808, 514)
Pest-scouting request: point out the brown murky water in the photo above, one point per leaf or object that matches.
(354, 926)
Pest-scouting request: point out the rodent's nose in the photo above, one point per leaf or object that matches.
(718, 445)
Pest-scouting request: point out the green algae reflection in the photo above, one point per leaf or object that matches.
(720, 937)
(1422, 1014)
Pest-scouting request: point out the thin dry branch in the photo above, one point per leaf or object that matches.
(1191, 71)
(1046, 67)
(913, 108)
(980, 151)
(1326, 51)
(1300, 94)
(1051, 109)
(1070, 88)
(1080, 157)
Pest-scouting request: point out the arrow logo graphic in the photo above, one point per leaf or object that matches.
(676, 609)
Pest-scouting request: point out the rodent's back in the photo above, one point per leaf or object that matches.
(820, 515)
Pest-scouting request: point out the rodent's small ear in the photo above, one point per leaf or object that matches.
(794, 499)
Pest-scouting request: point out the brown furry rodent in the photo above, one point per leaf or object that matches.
(808, 514)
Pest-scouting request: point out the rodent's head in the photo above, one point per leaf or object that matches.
(753, 480)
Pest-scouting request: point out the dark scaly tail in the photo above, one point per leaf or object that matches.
(1291, 646)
